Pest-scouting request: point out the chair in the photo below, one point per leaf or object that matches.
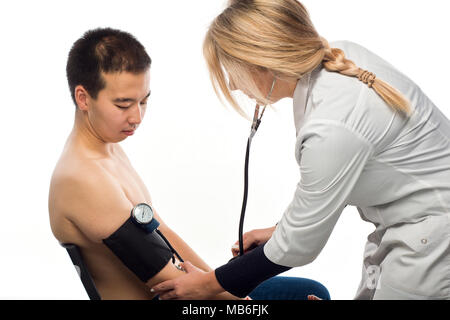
(77, 260)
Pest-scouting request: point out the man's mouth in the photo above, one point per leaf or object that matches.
(128, 132)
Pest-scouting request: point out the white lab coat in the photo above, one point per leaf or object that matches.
(353, 149)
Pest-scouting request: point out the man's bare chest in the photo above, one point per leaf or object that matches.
(128, 180)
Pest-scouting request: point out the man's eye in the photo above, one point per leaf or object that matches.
(121, 107)
(144, 103)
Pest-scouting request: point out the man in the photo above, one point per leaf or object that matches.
(94, 186)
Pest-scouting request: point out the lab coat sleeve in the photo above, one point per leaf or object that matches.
(331, 157)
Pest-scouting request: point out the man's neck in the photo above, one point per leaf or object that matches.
(84, 138)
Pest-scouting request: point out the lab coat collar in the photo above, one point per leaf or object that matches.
(300, 100)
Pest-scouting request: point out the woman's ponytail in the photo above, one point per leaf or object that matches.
(335, 60)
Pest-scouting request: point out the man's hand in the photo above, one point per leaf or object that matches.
(194, 285)
(253, 239)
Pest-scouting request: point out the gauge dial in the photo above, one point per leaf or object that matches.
(143, 213)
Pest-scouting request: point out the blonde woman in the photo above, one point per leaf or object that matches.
(367, 136)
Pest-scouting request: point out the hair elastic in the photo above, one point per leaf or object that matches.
(366, 77)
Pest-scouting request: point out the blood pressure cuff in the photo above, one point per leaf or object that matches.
(240, 276)
(145, 254)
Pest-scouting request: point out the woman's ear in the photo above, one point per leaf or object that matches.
(82, 98)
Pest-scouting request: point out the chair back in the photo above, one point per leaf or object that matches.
(83, 272)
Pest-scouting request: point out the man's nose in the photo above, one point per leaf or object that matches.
(136, 114)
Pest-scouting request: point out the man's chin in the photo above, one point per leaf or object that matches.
(117, 139)
(123, 135)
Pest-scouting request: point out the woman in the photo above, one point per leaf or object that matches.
(366, 136)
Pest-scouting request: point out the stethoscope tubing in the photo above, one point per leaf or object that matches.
(255, 125)
(244, 200)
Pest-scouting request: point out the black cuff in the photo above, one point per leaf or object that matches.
(145, 254)
(240, 276)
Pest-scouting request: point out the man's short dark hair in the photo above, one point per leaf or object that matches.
(103, 50)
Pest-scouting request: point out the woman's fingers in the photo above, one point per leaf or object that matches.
(170, 295)
(249, 241)
(163, 287)
(188, 267)
(194, 285)
(235, 250)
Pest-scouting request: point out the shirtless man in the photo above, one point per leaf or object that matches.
(94, 186)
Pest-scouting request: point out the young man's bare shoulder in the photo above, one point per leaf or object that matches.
(84, 193)
(70, 177)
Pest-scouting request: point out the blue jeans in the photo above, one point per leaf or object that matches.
(289, 288)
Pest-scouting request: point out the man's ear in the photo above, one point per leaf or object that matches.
(82, 98)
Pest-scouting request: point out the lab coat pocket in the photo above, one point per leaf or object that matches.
(417, 256)
(422, 237)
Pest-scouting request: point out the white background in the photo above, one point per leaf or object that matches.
(189, 149)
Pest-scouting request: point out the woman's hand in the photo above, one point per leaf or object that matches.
(253, 239)
(196, 284)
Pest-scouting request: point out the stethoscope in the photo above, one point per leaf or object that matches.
(255, 125)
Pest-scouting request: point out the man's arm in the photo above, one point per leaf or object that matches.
(99, 207)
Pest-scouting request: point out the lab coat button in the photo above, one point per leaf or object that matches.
(424, 241)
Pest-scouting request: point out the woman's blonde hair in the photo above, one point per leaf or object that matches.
(276, 36)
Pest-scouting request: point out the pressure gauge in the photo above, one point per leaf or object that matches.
(142, 213)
